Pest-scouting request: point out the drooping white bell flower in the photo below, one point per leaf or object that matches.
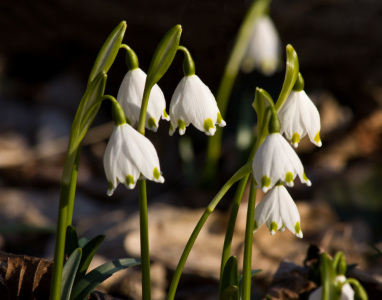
(129, 154)
(278, 211)
(347, 293)
(193, 102)
(299, 117)
(130, 97)
(264, 48)
(276, 160)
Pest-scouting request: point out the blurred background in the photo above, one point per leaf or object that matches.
(47, 49)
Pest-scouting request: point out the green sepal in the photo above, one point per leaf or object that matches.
(108, 52)
(71, 240)
(291, 73)
(230, 280)
(163, 56)
(339, 264)
(188, 62)
(299, 84)
(132, 61)
(90, 281)
(118, 114)
(69, 272)
(330, 290)
(274, 125)
(88, 252)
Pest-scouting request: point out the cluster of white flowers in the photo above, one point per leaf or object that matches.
(276, 163)
(129, 154)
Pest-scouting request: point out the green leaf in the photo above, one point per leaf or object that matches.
(163, 56)
(89, 282)
(71, 242)
(69, 272)
(230, 280)
(83, 241)
(230, 293)
(291, 73)
(88, 252)
(108, 52)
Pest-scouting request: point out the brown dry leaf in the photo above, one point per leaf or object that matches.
(25, 277)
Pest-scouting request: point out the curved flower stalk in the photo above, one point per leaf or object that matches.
(130, 97)
(129, 154)
(347, 293)
(299, 116)
(264, 49)
(276, 160)
(278, 210)
(193, 102)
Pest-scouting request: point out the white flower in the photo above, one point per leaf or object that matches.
(347, 293)
(276, 160)
(193, 102)
(264, 48)
(129, 154)
(299, 117)
(278, 210)
(130, 97)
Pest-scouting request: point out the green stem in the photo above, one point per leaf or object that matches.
(229, 76)
(144, 232)
(231, 223)
(72, 188)
(55, 289)
(247, 263)
(243, 171)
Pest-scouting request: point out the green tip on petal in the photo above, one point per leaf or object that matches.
(110, 190)
(220, 121)
(182, 126)
(306, 179)
(156, 173)
(152, 124)
(289, 177)
(295, 139)
(317, 139)
(265, 183)
(165, 115)
(130, 181)
(297, 228)
(209, 126)
(273, 227)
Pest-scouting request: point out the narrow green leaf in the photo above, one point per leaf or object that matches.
(69, 272)
(90, 281)
(163, 56)
(108, 52)
(71, 242)
(230, 278)
(291, 73)
(88, 252)
(83, 241)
